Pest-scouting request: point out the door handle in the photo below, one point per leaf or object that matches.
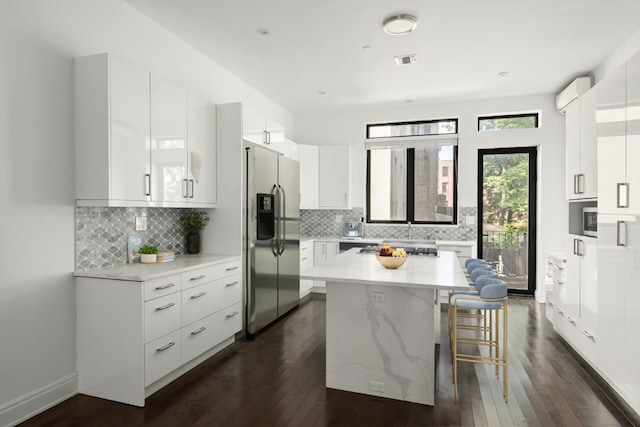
(283, 231)
(275, 242)
(623, 195)
(621, 233)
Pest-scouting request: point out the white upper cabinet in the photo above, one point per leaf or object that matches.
(308, 157)
(581, 148)
(633, 134)
(169, 151)
(260, 129)
(201, 183)
(111, 132)
(138, 141)
(333, 177)
(618, 118)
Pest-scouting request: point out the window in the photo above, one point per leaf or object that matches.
(405, 172)
(512, 121)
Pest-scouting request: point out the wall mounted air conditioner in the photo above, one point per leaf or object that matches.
(575, 90)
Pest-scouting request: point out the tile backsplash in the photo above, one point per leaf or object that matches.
(101, 233)
(322, 223)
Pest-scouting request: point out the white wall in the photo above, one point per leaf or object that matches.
(38, 41)
(348, 127)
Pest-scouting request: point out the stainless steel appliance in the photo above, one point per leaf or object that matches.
(353, 229)
(590, 222)
(271, 246)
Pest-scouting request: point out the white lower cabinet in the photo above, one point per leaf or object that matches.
(306, 261)
(135, 337)
(323, 252)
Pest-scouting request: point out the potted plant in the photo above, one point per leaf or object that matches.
(193, 222)
(148, 254)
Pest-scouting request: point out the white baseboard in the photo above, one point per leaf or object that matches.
(31, 404)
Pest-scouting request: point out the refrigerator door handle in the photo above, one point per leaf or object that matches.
(283, 228)
(275, 242)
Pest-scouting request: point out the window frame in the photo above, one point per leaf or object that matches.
(410, 211)
(405, 123)
(535, 115)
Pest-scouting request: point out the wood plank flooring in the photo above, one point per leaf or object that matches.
(278, 379)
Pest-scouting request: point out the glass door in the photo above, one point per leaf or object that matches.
(507, 209)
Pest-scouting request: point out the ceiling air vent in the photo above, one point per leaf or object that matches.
(406, 59)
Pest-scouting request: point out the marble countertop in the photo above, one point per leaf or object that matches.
(141, 272)
(304, 239)
(441, 272)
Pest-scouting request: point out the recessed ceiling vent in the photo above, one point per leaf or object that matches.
(406, 59)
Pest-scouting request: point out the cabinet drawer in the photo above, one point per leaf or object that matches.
(207, 274)
(161, 316)
(162, 356)
(201, 301)
(208, 332)
(162, 286)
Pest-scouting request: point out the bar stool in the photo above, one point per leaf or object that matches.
(493, 299)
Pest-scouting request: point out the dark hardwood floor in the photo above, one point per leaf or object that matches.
(278, 379)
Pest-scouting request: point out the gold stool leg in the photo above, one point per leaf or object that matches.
(505, 353)
(454, 351)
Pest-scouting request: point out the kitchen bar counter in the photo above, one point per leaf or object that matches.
(142, 272)
(381, 324)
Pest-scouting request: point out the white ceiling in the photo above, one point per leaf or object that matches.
(461, 46)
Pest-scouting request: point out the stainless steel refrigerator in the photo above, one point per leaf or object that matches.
(271, 236)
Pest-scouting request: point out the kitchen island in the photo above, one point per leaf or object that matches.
(381, 323)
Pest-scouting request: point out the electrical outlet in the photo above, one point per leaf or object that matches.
(141, 223)
(376, 386)
(376, 297)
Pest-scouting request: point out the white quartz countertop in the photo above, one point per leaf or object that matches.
(441, 272)
(141, 272)
(406, 242)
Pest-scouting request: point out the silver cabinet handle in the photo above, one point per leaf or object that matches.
(202, 276)
(575, 184)
(264, 137)
(185, 188)
(232, 283)
(588, 334)
(570, 319)
(268, 137)
(303, 258)
(621, 233)
(580, 183)
(623, 195)
(168, 285)
(232, 314)
(231, 268)
(201, 294)
(192, 190)
(346, 198)
(197, 331)
(167, 346)
(164, 307)
(147, 184)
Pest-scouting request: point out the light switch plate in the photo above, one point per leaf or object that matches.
(141, 223)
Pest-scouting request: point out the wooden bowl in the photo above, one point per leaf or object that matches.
(391, 261)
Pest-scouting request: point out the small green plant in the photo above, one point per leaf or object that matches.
(148, 249)
(194, 220)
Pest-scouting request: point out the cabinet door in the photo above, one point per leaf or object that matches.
(169, 150)
(633, 133)
(588, 145)
(275, 132)
(319, 253)
(129, 121)
(333, 177)
(589, 282)
(253, 126)
(201, 184)
(333, 250)
(570, 295)
(611, 119)
(308, 157)
(572, 148)
(617, 265)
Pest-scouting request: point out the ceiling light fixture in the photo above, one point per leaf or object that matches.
(263, 31)
(406, 59)
(398, 25)
(503, 74)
